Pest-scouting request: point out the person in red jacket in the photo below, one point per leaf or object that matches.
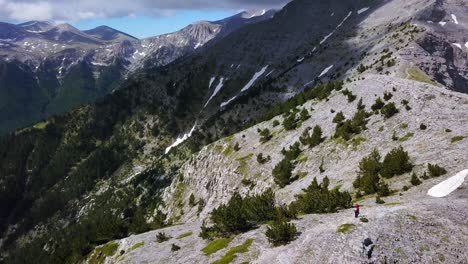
(356, 210)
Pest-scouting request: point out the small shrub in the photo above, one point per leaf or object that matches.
(415, 181)
(281, 233)
(276, 123)
(192, 201)
(364, 220)
(422, 126)
(360, 105)
(261, 159)
(387, 96)
(448, 130)
(351, 97)
(405, 188)
(175, 247)
(201, 205)
(162, 237)
(389, 110)
(377, 105)
(236, 146)
(395, 136)
(265, 135)
(425, 176)
(436, 170)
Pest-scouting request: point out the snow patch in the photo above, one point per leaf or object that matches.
(337, 27)
(362, 10)
(458, 45)
(211, 81)
(99, 64)
(180, 140)
(216, 91)
(455, 20)
(466, 45)
(442, 23)
(301, 59)
(448, 186)
(198, 45)
(268, 74)
(254, 78)
(223, 104)
(325, 71)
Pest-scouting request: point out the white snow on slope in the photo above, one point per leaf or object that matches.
(454, 17)
(216, 91)
(326, 71)
(337, 27)
(223, 104)
(268, 74)
(442, 23)
(198, 45)
(180, 140)
(254, 78)
(360, 11)
(448, 186)
(466, 45)
(301, 59)
(458, 45)
(211, 81)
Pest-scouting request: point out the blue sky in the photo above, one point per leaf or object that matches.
(147, 26)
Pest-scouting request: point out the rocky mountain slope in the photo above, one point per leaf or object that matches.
(146, 156)
(64, 67)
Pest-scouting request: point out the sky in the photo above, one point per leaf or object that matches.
(140, 18)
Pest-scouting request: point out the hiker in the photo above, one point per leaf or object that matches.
(356, 210)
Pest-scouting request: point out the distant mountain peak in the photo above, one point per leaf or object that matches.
(107, 33)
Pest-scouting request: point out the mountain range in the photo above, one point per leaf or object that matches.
(62, 67)
(253, 147)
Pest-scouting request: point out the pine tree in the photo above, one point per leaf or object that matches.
(304, 115)
(396, 162)
(192, 202)
(368, 173)
(282, 173)
(316, 137)
(281, 233)
(378, 104)
(360, 105)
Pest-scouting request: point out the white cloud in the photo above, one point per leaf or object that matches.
(73, 10)
(26, 11)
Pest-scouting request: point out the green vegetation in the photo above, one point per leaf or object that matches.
(162, 237)
(101, 253)
(187, 234)
(282, 172)
(406, 137)
(396, 162)
(347, 129)
(192, 201)
(312, 140)
(387, 96)
(304, 115)
(414, 73)
(389, 110)
(41, 125)
(364, 220)
(415, 181)
(175, 247)
(216, 245)
(422, 126)
(378, 104)
(232, 253)
(290, 121)
(261, 159)
(137, 245)
(319, 199)
(281, 233)
(379, 200)
(265, 135)
(436, 170)
(339, 118)
(456, 139)
(346, 228)
(242, 214)
(276, 123)
(319, 92)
